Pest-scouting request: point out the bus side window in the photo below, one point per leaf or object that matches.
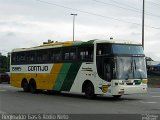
(55, 55)
(104, 49)
(42, 56)
(85, 53)
(14, 60)
(82, 55)
(73, 55)
(69, 54)
(66, 56)
(31, 57)
(22, 58)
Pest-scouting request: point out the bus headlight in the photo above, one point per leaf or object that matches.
(119, 83)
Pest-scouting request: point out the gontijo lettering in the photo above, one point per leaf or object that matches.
(37, 68)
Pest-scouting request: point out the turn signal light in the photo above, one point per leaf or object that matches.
(145, 81)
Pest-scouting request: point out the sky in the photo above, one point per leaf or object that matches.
(28, 23)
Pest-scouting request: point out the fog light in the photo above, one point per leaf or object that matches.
(104, 88)
(145, 81)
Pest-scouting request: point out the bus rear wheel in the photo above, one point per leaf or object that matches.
(25, 86)
(33, 87)
(53, 92)
(89, 91)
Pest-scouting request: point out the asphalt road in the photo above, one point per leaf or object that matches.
(13, 100)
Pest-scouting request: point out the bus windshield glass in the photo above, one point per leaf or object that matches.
(126, 61)
(127, 49)
(130, 68)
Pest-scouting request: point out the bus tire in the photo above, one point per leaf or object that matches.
(116, 96)
(53, 92)
(25, 85)
(89, 91)
(33, 86)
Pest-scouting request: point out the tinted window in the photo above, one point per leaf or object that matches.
(69, 54)
(42, 56)
(103, 49)
(31, 57)
(18, 58)
(85, 53)
(127, 49)
(55, 55)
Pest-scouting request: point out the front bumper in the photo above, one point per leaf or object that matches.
(125, 90)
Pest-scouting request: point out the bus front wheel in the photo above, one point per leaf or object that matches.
(89, 91)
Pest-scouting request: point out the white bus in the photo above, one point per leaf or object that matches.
(95, 67)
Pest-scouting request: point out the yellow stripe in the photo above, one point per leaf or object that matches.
(54, 73)
(56, 68)
(67, 44)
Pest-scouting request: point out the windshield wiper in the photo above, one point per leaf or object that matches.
(135, 65)
(132, 67)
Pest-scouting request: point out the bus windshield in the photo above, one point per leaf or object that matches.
(130, 68)
(126, 61)
(127, 49)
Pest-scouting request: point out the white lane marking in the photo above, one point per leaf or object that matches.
(150, 102)
(125, 100)
(9, 86)
(155, 96)
(2, 90)
(4, 85)
(153, 92)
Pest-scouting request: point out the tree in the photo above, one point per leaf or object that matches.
(3, 63)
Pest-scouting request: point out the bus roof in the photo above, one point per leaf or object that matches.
(73, 43)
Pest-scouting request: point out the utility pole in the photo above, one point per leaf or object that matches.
(143, 24)
(73, 24)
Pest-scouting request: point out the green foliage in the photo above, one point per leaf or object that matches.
(4, 62)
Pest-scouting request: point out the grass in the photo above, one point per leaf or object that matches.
(154, 81)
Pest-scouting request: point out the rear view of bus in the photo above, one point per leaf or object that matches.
(122, 66)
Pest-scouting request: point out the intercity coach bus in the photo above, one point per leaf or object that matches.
(95, 67)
